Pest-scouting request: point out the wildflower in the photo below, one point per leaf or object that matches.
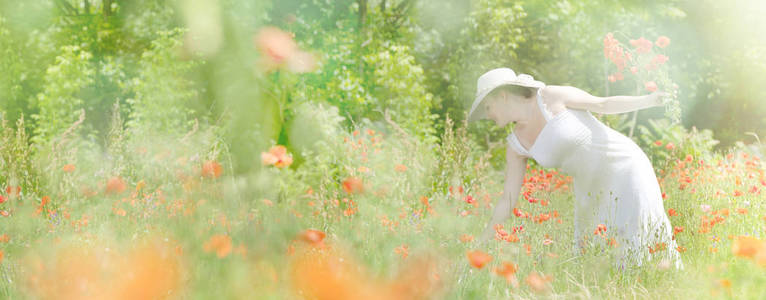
(220, 243)
(600, 229)
(662, 41)
(748, 247)
(500, 233)
(737, 193)
(670, 146)
(402, 250)
(742, 211)
(466, 238)
(657, 247)
(353, 185)
(681, 249)
(650, 86)
(672, 212)
(400, 168)
(658, 143)
(69, 168)
(277, 156)
(211, 169)
(470, 200)
(115, 185)
(657, 61)
(508, 271)
(705, 207)
(1, 256)
(537, 283)
(13, 192)
(517, 212)
(313, 237)
(4, 238)
(614, 52)
(642, 45)
(279, 49)
(511, 238)
(478, 259)
(678, 229)
(2, 199)
(43, 202)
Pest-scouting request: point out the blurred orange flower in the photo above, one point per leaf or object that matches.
(115, 185)
(353, 185)
(662, 41)
(508, 271)
(69, 168)
(678, 229)
(402, 250)
(277, 156)
(43, 202)
(220, 243)
(478, 258)
(150, 270)
(279, 50)
(211, 169)
(642, 45)
(4, 238)
(466, 238)
(400, 168)
(650, 86)
(312, 236)
(537, 283)
(749, 247)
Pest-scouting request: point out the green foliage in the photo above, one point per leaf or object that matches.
(398, 88)
(163, 93)
(665, 143)
(60, 100)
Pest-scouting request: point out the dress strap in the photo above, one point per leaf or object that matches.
(543, 108)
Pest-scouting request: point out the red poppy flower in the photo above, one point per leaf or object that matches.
(353, 185)
(211, 169)
(478, 258)
(312, 236)
(662, 41)
(115, 185)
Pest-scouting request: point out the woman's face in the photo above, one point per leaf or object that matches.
(504, 108)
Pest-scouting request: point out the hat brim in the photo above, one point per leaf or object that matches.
(476, 113)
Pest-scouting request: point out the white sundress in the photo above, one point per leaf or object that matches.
(614, 182)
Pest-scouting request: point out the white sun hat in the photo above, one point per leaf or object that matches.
(491, 80)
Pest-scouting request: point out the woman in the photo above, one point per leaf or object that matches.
(614, 182)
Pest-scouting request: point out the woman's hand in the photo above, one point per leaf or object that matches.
(657, 98)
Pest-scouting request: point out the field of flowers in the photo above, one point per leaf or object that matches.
(316, 149)
(387, 224)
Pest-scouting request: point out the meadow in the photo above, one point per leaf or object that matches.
(391, 224)
(240, 149)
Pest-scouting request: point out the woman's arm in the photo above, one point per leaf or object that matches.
(573, 97)
(514, 177)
